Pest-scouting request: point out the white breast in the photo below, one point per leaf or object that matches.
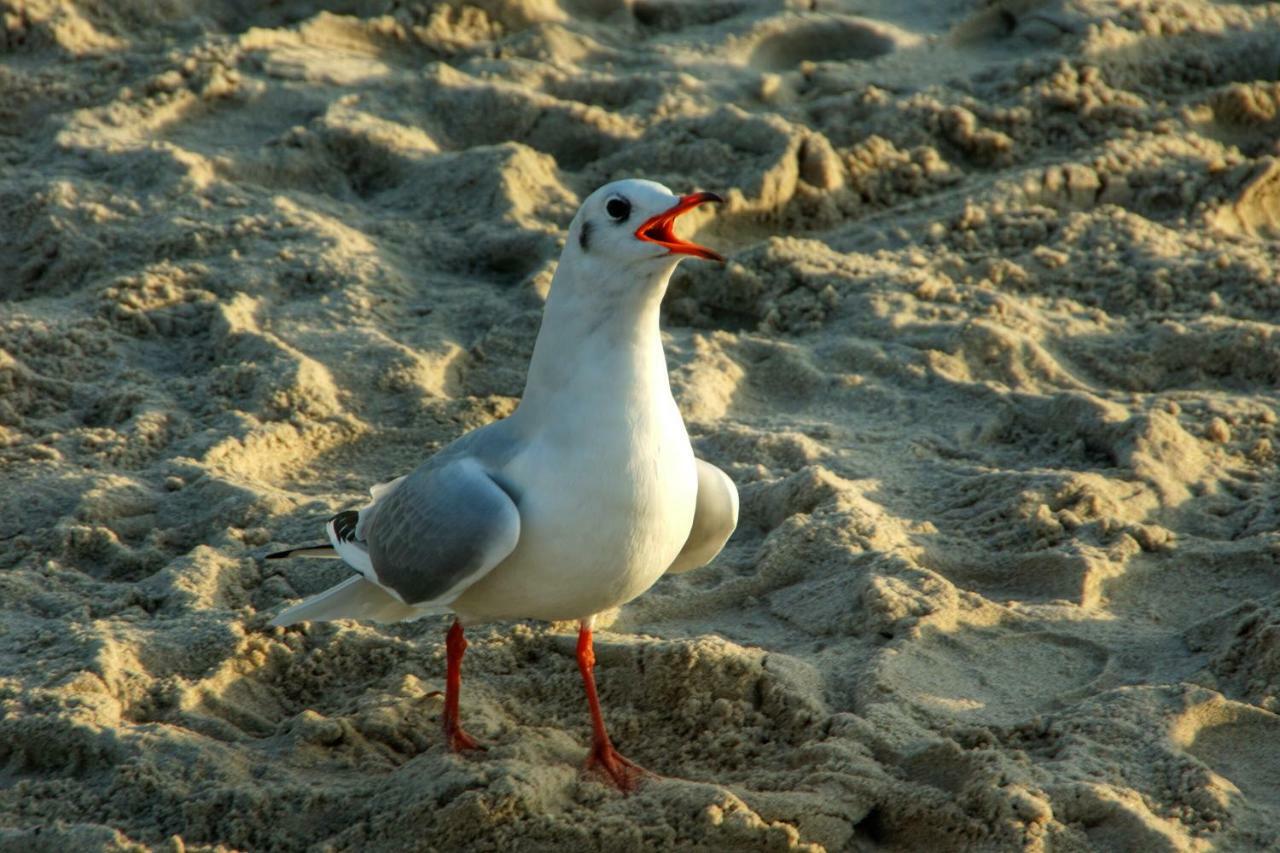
(604, 509)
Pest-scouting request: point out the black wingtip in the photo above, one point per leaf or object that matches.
(315, 549)
(344, 525)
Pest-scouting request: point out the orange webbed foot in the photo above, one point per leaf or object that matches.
(623, 773)
(459, 741)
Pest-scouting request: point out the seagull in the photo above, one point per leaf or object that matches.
(574, 504)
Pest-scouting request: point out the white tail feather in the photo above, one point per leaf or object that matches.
(354, 598)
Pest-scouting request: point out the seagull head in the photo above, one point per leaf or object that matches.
(633, 222)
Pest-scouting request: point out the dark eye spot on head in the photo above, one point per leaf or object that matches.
(584, 236)
(618, 208)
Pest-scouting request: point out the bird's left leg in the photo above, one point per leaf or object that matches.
(622, 772)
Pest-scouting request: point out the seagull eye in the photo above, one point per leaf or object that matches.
(618, 208)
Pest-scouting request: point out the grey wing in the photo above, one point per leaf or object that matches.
(442, 528)
(714, 519)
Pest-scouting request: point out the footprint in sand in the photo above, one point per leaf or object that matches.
(833, 39)
(1239, 742)
(989, 677)
(1030, 20)
(1253, 209)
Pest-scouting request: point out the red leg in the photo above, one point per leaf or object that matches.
(622, 772)
(455, 644)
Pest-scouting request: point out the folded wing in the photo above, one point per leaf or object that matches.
(440, 531)
(418, 545)
(714, 519)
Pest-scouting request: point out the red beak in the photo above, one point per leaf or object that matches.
(660, 229)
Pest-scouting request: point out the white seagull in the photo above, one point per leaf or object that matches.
(576, 503)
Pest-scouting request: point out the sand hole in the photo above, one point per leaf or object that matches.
(830, 40)
(675, 15)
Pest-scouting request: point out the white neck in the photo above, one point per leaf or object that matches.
(599, 347)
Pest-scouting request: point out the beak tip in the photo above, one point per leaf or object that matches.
(701, 197)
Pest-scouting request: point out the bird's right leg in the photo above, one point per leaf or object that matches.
(455, 645)
(624, 773)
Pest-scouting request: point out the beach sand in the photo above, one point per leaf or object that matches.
(994, 363)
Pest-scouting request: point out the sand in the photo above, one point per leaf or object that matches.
(994, 364)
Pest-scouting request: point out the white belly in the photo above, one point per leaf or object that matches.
(601, 519)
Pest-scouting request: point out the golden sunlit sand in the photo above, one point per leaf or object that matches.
(994, 364)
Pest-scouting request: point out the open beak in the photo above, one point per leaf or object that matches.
(660, 229)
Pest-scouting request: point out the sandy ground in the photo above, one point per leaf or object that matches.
(994, 364)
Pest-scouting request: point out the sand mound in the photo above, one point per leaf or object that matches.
(993, 363)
